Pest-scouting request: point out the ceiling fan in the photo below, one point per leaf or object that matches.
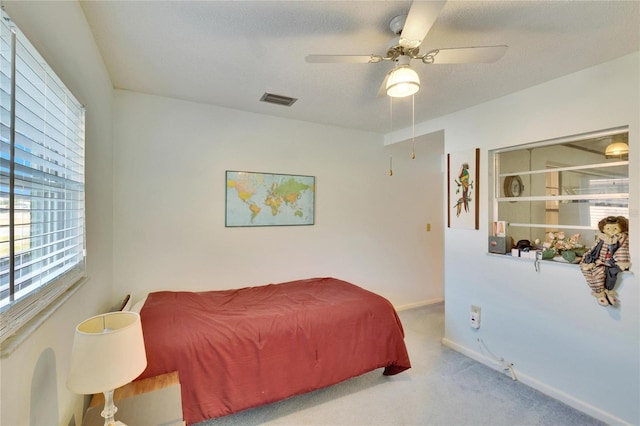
(410, 31)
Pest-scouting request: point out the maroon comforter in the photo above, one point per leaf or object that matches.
(237, 349)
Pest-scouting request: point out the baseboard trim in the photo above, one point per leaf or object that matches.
(418, 304)
(541, 386)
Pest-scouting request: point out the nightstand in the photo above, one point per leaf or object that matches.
(155, 401)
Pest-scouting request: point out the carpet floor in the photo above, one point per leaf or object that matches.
(443, 387)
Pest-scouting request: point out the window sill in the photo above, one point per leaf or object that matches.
(10, 344)
(525, 259)
(537, 262)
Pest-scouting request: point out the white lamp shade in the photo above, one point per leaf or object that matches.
(108, 352)
(403, 81)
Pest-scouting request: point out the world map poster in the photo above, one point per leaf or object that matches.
(268, 199)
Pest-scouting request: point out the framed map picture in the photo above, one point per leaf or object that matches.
(463, 189)
(269, 199)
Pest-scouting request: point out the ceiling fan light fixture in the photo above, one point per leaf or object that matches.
(616, 149)
(403, 81)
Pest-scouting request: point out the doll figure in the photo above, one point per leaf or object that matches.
(609, 256)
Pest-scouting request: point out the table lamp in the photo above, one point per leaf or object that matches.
(108, 352)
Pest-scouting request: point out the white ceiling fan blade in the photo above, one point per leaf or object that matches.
(343, 59)
(466, 55)
(421, 17)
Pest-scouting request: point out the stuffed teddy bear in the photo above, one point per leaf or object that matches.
(609, 256)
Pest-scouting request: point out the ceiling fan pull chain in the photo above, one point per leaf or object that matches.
(413, 127)
(391, 130)
(390, 114)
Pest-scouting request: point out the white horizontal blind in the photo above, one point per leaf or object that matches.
(42, 237)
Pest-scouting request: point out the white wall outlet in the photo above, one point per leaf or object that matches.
(475, 317)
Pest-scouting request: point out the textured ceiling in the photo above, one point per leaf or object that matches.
(228, 53)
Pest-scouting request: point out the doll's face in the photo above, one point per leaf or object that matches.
(611, 228)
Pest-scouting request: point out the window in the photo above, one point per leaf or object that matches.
(566, 185)
(42, 248)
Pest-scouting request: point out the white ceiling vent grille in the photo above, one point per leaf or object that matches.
(278, 99)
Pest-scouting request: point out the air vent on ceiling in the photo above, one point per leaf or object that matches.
(278, 99)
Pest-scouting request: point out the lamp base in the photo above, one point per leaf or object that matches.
(117, 423)
(110, 410)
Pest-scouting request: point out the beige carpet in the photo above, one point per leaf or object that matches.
(443, 387)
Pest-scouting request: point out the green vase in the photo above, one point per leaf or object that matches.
(569, 255)
(548, 254)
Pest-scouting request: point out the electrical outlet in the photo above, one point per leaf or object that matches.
(475, 317)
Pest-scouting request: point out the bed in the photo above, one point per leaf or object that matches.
(238, 349)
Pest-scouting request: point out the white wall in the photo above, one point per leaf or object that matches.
(170, 159)
(547, 323)
(33, 379)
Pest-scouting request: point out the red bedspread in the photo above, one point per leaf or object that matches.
(237, 349)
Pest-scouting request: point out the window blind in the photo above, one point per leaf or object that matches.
(42, 220)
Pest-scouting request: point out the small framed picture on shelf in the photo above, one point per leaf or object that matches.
(500, 228)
